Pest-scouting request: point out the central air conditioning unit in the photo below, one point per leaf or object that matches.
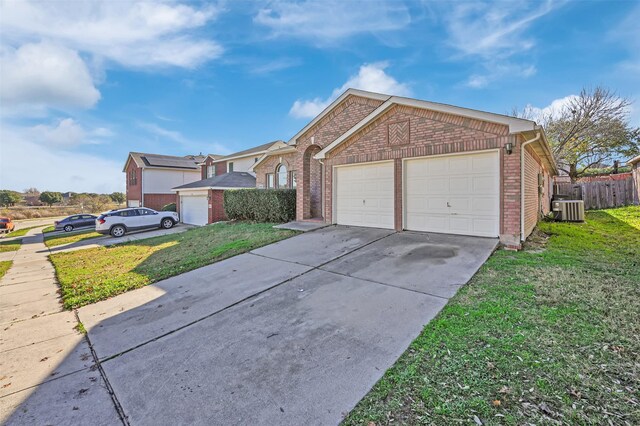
(568, 210)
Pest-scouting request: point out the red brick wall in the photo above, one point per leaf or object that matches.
(342, 118)
(157, 201)
(216, 201)
(269, 166)
(134, 192)
(221, 168)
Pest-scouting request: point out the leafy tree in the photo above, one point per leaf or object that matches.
(32, 191)
(50, 197)
(9, 198)
(117, 197)
(591, 129)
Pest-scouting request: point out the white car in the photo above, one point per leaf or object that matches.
(119, 222)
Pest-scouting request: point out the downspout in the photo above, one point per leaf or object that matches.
(322, 195)
(141, 187)
(525, 143)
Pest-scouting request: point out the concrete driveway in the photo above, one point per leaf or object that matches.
(293, 333)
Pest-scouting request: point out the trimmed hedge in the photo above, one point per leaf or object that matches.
(171, 207)
(260, 205)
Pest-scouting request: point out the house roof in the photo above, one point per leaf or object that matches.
(516, 125)
(260, 149)
(231, 180)
(634, 160)
(150, 161)
(280, 151)
(347, 93)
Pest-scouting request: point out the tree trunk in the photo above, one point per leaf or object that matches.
(573, 172)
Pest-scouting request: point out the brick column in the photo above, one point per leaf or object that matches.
(398, 203)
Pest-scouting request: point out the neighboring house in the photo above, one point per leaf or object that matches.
(635, 171)
(390, 162)
(151, 177)
(201, 202)
(197, 206)
(241, 161)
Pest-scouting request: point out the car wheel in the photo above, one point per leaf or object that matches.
(118, 231)
(167, 223)
(68, 228)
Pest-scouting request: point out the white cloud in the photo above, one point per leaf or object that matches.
(491, 30)
(495, 34)
(370, 77)
(45, 74)
(67, 133)
(57, 169)
(325, 22)
(174, 136)
(133, 34)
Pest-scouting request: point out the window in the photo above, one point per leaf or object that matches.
(211, 171)
(144, 212)
(126, 213)
(230, 167)
(74, 218)
(133, 179)
(281, 172)
(270, 181)
(292, 179)
(87, 216)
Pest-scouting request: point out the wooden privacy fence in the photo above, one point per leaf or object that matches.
(601, 194)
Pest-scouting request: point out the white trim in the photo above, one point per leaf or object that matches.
(499, 178)
(516, 125)
(633, 161)
(280, 151)
(251, 154)
(334, 186)
(522, 145)
(355, 92)
(215, 188)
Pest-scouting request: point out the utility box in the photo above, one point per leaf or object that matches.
(568, 210)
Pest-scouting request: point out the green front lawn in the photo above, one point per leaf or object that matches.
(548, 335)
(4, 267)
(22, 231)
(11, 245)
(49, 229)
(68, 238)
(87, 276)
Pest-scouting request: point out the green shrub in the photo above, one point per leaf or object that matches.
(171, 207)
(260, 205)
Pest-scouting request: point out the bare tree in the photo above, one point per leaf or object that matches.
(591, 129)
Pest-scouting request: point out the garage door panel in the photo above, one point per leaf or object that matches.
(484, 184)
(460, 184)
(461, 198)
(485, 205)
(482, 164)
(365, 194)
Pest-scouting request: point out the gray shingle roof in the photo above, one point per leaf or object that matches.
(227, 180)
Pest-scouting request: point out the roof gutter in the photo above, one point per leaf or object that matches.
(525, 143)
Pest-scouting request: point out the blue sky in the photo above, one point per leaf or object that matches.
(83, 83)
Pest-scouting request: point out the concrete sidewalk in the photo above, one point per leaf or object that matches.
(44, 361)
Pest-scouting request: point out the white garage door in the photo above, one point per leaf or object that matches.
(194, 209)
(364, 195)
(458, 194)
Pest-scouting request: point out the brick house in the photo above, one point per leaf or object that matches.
(200, 202)
(151, 177)
(384, 161)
